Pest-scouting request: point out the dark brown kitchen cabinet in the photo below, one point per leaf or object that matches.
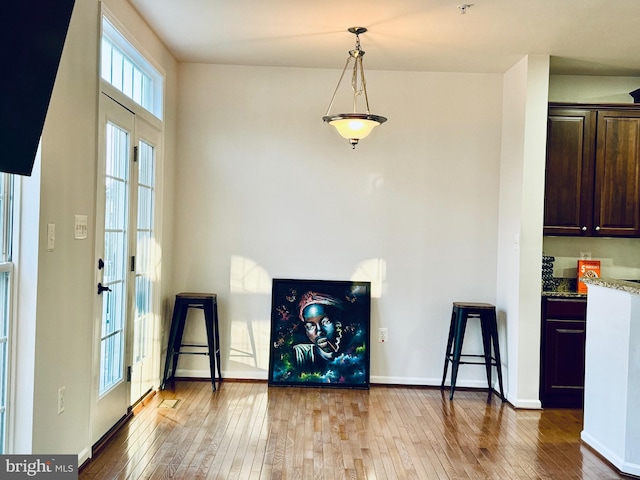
(562, 352)
(592, 178)
(568, 205)
(617, 179)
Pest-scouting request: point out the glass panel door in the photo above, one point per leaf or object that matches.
(128, 265)
(146, 264)
(114, 305)
(114, 242)
(143, 251)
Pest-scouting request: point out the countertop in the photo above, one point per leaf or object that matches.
(556, 293)
(624, 285)
(564, 287)
(567, 287)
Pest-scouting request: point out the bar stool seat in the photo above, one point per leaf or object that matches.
(184, 301)
(486, 313)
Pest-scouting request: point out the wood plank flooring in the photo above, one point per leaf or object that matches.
(248, 430)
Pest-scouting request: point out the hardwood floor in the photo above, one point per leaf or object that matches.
(248, 430)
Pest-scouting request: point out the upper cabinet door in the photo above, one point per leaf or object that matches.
(568, 208)
(617, 184)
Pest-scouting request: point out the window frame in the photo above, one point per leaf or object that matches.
(7, 314)
(123, 40)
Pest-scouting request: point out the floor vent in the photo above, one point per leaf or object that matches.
(168, 404)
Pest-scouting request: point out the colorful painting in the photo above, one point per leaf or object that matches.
(320, 333)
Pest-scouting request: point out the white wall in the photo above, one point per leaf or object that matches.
(65, 276)
(266, 190)
(592, 89)
(57, 294)
(520, 237)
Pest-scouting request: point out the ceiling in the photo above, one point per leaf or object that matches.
(590, 37)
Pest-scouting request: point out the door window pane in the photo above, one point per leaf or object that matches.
(114, 306)
(143, 314)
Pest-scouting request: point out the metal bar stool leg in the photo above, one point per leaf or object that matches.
(496, 350)
(448, 352)
(216, 333)
(175, 338)
(208, 316)
(487, 338)
(461, 326)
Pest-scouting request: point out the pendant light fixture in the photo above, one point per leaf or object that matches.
(354, 126)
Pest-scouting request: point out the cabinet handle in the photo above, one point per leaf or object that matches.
(597, 228)
(570, 330)
(584, 229)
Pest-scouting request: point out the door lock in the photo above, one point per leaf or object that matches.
(102, 288)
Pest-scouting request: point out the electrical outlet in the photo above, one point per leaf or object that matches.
(383, 335)
(61, 400)
(585, 255)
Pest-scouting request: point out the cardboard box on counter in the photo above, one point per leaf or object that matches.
(587, 268)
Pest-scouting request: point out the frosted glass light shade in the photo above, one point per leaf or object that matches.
(354, 126)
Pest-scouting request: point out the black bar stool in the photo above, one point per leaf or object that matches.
(486, 313)
(185, 301)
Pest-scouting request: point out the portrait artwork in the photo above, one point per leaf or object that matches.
(320, 333)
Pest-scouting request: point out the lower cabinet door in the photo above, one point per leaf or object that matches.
(562, 352)
(563, 375)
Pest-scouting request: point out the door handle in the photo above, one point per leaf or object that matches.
(102, 288)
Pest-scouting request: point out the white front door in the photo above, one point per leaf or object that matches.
(125, 307)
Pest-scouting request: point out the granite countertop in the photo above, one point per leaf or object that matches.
(564, 287)
(624, 285)
(557, 293)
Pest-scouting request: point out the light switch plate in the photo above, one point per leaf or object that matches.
(80, 227)
(51, 237)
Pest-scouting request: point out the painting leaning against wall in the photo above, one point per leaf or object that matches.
(320, 333)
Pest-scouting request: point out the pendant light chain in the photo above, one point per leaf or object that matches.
(363, 84)
(357, 54)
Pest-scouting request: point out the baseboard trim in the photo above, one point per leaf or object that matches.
(84, 457)
(525, 404)
(619, 463)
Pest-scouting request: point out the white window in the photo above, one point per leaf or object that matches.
(6, 269)
(123, 67)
